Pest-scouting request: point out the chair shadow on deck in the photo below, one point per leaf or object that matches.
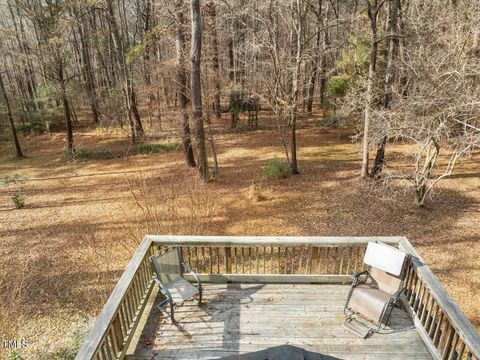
(225, 307)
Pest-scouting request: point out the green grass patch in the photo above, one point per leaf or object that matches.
(147, 149)
(96, 154)
(67, 351)
(277, 169)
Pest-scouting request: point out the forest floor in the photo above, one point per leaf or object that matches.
(63, 251)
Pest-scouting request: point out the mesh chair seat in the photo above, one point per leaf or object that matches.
(182, 290)
(368, 301)
(169, 269)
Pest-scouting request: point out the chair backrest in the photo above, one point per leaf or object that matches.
(387, 266)
(168, 266)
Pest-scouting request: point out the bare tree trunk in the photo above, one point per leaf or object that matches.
(315, 61)
(196, 90)
(182, 85)
(231, 61)
(389, 78)
(295, 88)
(10, 118)
(373, 9)
(66, 110)
(87, 68)
(216, 69)
(120, 44)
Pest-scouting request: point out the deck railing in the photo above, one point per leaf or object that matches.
(443, 327)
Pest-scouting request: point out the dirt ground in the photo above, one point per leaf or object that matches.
(62, 253)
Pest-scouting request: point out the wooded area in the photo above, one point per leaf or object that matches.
(277, 100)
(392, 70)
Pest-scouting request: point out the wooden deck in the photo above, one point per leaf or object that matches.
(244, 318)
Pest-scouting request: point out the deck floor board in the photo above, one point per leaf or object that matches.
(243, 318)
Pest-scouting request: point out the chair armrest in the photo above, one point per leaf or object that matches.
(188, 269)
(396, 294)
(356, 277)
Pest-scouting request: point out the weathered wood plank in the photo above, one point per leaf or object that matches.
(272, 279)
(240, 318)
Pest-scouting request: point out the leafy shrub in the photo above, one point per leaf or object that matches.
(338, 85)
(18, 200)
(33, 128)
(277, 169)
(147, 149)
(45, 120)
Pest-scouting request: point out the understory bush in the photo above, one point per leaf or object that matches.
(18, 200)
(277, 169)
(14, 181)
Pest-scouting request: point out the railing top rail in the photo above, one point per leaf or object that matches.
(93, 340)
(260, 241)
(457, 318)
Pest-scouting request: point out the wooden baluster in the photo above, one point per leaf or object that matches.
(416, 291)
(228, 259)
(342, 253)
(256, 260)
(264, 259)
(310, 259)
(326, 257)
(434, 321)
(292, 269)
(349, 259)
(419, 292)
(104, 351)
(446, 340)
(120, 336)
(115, 345)
(249, 260)
(335, 261)
(217, 250)
(286, 261)
(301, 261)
(428, 309)
(271, 260)
(453, 347)
(438, 330)
(278, 260)
(461, 350)
(425, 301)
(197, 258)
(210, 253)
(243, 260)
(236, 261)
(99, 354)
(202, 267)
(189, 257)
(408, 280)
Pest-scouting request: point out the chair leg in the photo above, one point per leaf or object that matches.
(200, 291)
(172, 313)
